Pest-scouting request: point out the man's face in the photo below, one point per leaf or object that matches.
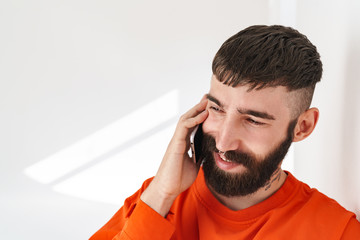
(247, 134)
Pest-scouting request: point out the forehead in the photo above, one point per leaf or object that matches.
(273, 100)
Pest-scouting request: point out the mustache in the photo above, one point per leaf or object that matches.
(209, 146)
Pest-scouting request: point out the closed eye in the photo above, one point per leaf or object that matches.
(216, 109)
(252, 121)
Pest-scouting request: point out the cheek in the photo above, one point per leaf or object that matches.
(264, 142)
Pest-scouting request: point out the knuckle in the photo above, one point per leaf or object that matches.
(182, 118)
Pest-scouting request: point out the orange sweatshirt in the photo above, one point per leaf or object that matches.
(295, 211)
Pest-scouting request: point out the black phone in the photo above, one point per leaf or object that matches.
(196, 142)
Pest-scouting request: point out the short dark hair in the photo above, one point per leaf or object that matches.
(268, 56)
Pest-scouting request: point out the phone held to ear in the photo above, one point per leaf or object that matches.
(195, 143)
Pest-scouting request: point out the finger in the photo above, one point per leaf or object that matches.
(185, 126)
(198, 108)
(204, 97)
(196, 120)
(190, 119)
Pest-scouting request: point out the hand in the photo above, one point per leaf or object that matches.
(177, 170)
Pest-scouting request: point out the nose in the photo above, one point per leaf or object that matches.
(228, 136)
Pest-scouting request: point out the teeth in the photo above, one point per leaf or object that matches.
(223, 157)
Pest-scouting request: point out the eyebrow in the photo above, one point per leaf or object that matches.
(254, 113)
(213, 99)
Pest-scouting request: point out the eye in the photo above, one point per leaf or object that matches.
(216, 109)
(252, 121)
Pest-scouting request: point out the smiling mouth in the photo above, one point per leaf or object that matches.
(222, 156)
(225, 164)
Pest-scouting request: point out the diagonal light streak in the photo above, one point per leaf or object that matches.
(119, 175)
(99, 143)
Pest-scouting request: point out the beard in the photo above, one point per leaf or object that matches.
(258, 171)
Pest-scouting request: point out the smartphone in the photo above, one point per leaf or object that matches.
(195, 143)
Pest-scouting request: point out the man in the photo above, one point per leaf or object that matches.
(258, 104)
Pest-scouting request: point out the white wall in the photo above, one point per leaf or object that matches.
(329, 159)
(80, 78)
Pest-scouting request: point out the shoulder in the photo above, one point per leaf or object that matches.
(331, 217)
(320, 203)
(326, 207)
(316, 203)
(314, 210)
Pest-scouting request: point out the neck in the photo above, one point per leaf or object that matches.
(238, 203)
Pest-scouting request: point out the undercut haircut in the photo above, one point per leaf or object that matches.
(269, 56)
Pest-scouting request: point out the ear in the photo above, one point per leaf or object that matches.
(306, 124)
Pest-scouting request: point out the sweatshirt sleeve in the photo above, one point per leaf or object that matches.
(144, 221)
(135, 220)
